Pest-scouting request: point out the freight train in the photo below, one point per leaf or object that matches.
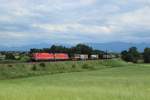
(65, 56)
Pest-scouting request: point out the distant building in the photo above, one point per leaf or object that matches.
(2, 57)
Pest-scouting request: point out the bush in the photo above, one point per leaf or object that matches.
(34, 68)
(10, 65)
(42, 65)
(73, 66)
(24, 58)
(10, 56)
(132, 55)
(146, 55)
(86, 66)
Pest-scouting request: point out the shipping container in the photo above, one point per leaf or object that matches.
(94, 56)
(80, 57)
(76, 56)
(84, 57)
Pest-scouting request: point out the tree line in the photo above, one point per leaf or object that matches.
(78, 49)
(25, 56)
(133, 55)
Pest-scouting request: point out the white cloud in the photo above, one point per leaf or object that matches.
(75, 20)
(71, 28)
(87, 2)
(137, 17)
(131, 23)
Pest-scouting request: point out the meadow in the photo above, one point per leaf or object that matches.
(105, 80)
(18, 70)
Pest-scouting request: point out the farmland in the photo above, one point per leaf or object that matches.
(91, 80)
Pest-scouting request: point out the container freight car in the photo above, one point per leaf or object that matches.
(84, 57)
(76, 57)
(80, 56)
(49, 56)
(94, 56)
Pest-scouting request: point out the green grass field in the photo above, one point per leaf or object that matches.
(18, 70)
(127, 82)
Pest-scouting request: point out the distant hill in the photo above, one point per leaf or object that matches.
(118, 46)
(28, 47)
(111, 47)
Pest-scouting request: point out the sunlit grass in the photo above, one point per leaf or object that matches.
(131, 82)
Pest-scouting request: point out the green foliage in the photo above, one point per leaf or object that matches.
(115, 63)
(78, 49)
(58, 49)
(10, 65)
(24, 58)
(73, 66)
(82, 49)
(42, 65)
(132, 55)
(87, 66)
(34, 67)
(10, 56)
(34, 50)
(125, 55)
(146, 55)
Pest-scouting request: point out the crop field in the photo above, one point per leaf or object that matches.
(114, 80)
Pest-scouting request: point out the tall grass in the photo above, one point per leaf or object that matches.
(31, 69)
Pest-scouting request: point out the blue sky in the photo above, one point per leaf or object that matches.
(24, 22)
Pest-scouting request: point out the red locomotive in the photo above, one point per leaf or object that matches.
(50, 56)
(61, 56)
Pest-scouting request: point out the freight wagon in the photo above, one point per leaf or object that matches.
(76, 57)
(61, 56)
(84, 57)
(94, 56)
(80, 57)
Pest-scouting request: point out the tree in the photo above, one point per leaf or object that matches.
(124, 55)
(98, 52)
(10, 56)
(146, 55)
(132, 55)
(78, 49)
(34, 50)
(58, 49)
(82, 49)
